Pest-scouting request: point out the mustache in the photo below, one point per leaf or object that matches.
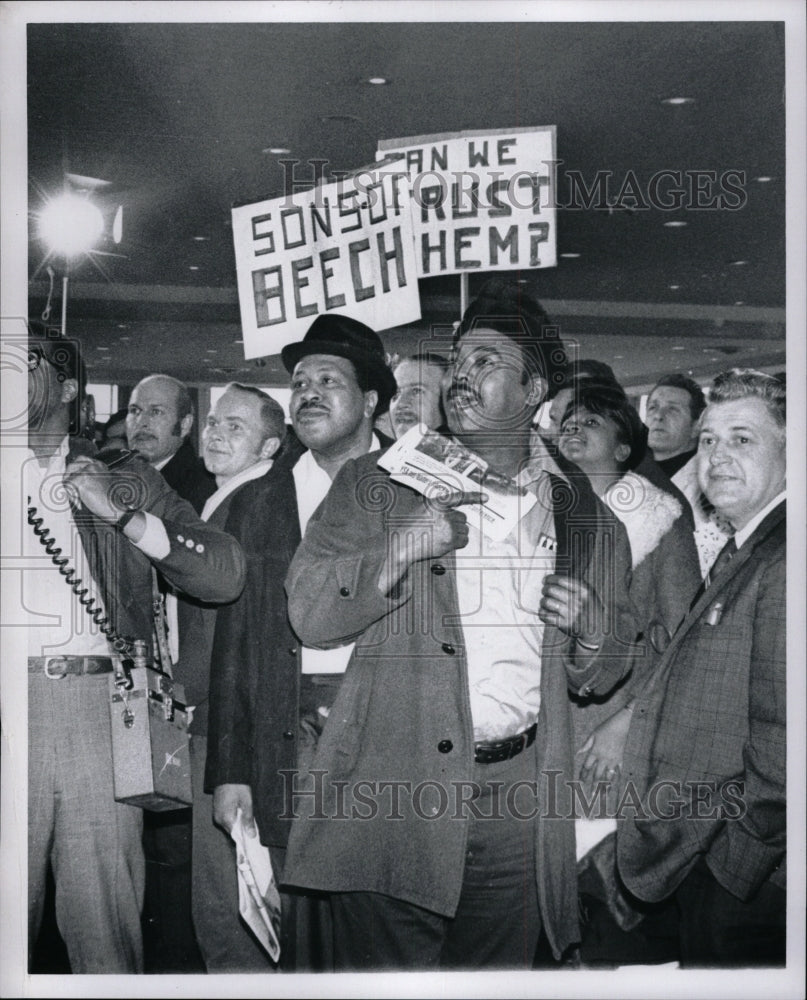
(311, 406)
(461, 387)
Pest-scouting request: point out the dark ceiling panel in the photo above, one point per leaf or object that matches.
(176, 116)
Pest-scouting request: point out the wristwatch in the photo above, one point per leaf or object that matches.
(125, 518)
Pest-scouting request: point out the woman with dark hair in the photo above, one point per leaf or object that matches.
(601, 433)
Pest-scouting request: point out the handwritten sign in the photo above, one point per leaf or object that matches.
(345, 247)
(481, 200)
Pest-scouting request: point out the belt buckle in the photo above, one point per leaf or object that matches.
(48, 672)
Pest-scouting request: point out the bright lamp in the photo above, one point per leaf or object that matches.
(70, 225)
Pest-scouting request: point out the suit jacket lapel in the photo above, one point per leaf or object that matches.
(744, 553)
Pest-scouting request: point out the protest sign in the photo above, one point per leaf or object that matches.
(482, 200)
(344, 247)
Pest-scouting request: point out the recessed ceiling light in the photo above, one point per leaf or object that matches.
(123, 326)
(125, 339)
(618, 357)
(238, 341)
(211, 350)
(275, 151)
(340, 120)
(378, 81)
(675, 223)
(677, 348)
(193, 267)
(571, 256)
(678, 100)
(102, 348)
(201, 239)
(674, 287)
(737, 263)
(763, 180)
(739, 302)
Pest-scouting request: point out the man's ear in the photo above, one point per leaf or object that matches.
(69, 390)
(186, 424)
(370, 402)
(537, 389)
(269, 447)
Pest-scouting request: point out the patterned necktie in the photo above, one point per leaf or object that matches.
(724, 557)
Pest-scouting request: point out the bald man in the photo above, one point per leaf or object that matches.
(158, 422)
(159, 419)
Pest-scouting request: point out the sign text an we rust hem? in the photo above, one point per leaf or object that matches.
(481, 200)
(345, 247)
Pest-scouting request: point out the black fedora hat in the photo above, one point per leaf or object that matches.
(344, 337)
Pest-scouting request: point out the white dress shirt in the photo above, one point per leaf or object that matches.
(743, 534)
(311, 484)
(499, 586)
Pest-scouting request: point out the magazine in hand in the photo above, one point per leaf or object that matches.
(440, 467)
(258, 896)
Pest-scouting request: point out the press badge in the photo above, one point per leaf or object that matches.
(545, 542)
(713, 615)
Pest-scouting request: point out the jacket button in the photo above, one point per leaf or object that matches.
(344, 592)
(293, 651)
(448, 648)
(445, 746)
(438, 569)
(288, 735)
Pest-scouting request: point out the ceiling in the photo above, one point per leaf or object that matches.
(179, 118)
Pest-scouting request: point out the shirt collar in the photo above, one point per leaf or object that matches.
(307, 464)
(244, 476)
(159, 466)
(743, 534)
(539, 463)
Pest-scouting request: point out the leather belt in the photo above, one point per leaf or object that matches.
(57, 667)
(492, 753)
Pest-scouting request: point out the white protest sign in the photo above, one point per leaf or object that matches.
(345, 247)
(481, 200)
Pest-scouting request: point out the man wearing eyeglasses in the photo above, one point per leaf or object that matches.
(112, 526)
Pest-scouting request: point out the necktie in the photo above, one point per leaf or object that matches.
(724, 557)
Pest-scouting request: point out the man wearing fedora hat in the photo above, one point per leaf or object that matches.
(270, 695)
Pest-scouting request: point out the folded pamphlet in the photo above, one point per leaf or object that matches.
(439, 467)
(258, 896)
